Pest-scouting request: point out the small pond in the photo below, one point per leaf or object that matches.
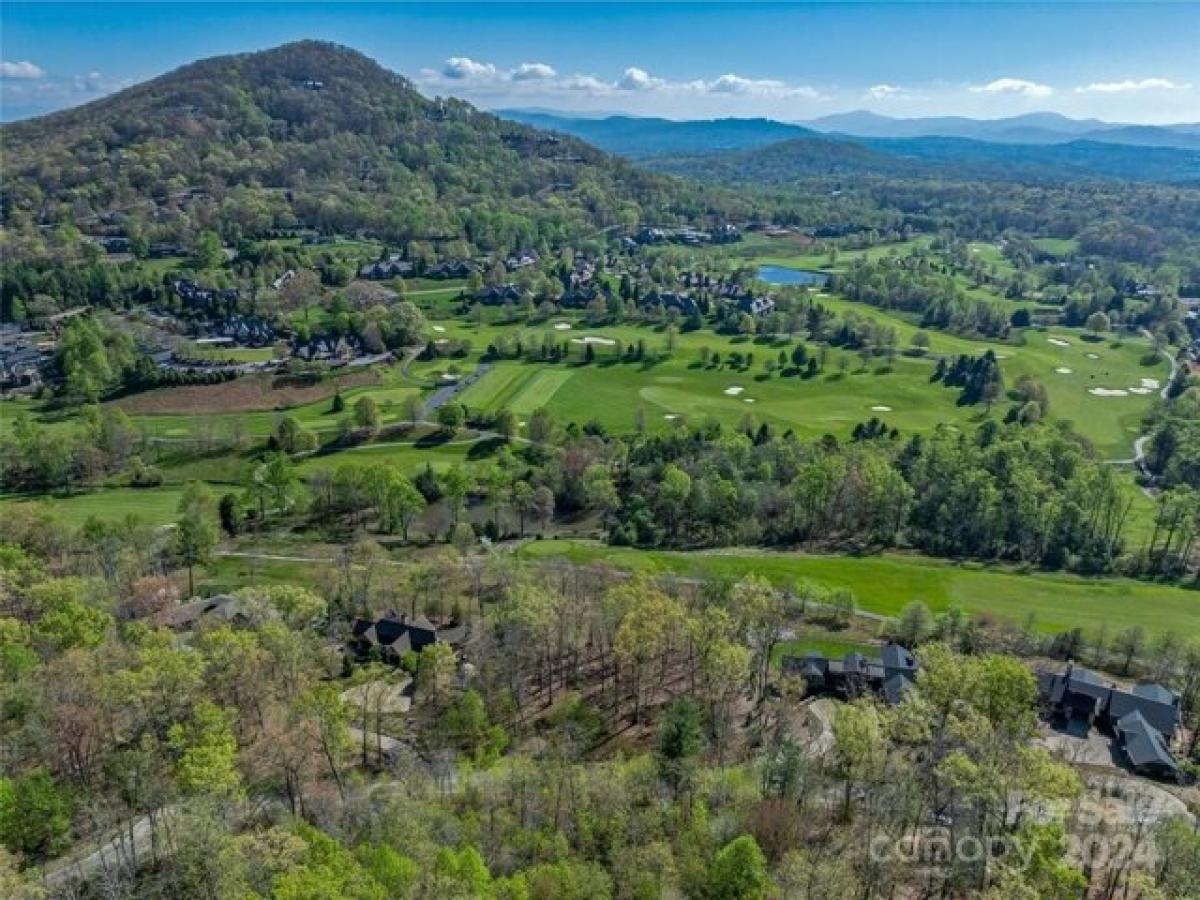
(784, 275)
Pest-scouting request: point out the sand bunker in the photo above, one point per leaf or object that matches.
(1151, 383)
(439, 328)
(1108, 392)
(562, 326)
(747, 399)
(1063, 370)
(881, 408)
(671, 416)
(446, 376)
(1059, 342)
(1140, 390)
(1092, 355)
(590, 339)
(734, 390)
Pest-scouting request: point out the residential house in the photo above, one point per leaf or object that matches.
(452, 268)
(521, 260)
(578, 296)
(394, 634)
(650, 235)
(114, 244)
(283, 279)
(690, 237)
(1142, 719)
(21, 365)
(222, 609)
(328, 347)
(392, 267)
(756, 306)
(248, 331)
(498, 294)
(891, 676)
(672, 300)
(726, 234)
(1144, 747)
(197, 298)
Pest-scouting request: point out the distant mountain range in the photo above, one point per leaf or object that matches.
(783, 162)
(637, 136)
(1032, 128)
(1019, 147)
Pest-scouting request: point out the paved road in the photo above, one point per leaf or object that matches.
(444, 395)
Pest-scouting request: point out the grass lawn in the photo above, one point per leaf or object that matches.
(1056, 246)
(819, 642)
(768, 251)
(610, 392)
(885, 584)
(222, 353)
(157, 506)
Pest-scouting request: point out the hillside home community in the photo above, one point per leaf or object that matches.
(1142, 720)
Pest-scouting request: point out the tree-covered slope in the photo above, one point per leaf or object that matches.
(317, 135)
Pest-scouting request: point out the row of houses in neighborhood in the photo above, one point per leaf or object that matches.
(326, 347)
(197, 298)
(395, 266)
(688, 236)
(246, 331)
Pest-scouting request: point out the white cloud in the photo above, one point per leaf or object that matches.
(884, 91)
(762, 87)
(23, 70)
(538, 78)
(635, 79)
(533, 72)
(1013, 86)
(463, 68)
(1129, 86)
(587, 83)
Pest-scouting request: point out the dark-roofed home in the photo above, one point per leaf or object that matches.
(1079, 696)
(1145, 748)
(392, 635)
(1154, 702)
(892, 676)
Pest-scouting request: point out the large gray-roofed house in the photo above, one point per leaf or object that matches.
(392, 635)
(854, 674)
(1143, 719)
(1078, 693)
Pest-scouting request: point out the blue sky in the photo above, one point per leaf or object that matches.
(1136, 62)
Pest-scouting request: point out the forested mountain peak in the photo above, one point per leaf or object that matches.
(313, 86)
(317, 135)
